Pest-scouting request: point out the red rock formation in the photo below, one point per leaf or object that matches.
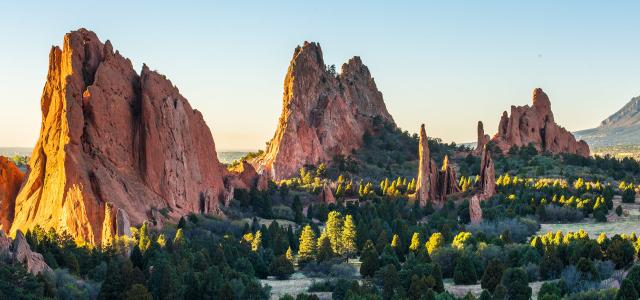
(323, 114)
(11, 179)
(326, 195)
(446, 183)
(423, 184)
(487, 174)
(19, 252)
(535, 125)
(244, 176)
(433, 185)
(475, 211)
(483, 139)
(114, 147)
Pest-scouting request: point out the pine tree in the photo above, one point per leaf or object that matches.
(415, 242)
(325, 251)
(307, 249)
(627, 291)
(464, 272)
(369, 260)
(333, 230)
(257, 241)
(348, 240)
(492, 275)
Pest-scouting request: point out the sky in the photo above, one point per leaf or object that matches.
(444, 63)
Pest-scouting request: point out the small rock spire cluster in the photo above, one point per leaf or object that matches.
(433, 184)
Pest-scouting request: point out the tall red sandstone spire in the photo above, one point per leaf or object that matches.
(423, 185)
(115, 147)
(324, 114)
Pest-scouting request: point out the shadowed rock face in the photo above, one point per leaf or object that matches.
(10, 181)
(114, 146)
(535, 125)
(323, 114)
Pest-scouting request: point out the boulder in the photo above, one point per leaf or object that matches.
(245, 176)
(11, 179)
(535, 125)
(21, 253)
(324, 114)
(111, 136)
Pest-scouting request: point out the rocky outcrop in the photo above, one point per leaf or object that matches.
(19, 252)
(483, 139)
(487, 179)
(11, 179)
(433, 185)
(324, 114)
(245, 176)
(475, 211)
(114, 147)
(535, 125)
(326, 195)
(446, 183)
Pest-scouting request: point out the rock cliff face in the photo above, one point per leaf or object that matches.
(11, 179)
(433, 185)
(114, 147)
(323, 114)
(535, 125)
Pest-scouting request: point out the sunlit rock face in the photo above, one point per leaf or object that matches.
(535, 125)
(323, 114)
(10, 181)
(115, 147)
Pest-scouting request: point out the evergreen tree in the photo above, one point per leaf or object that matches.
(325, 251)
(138, 292)
(516, 283)
(369, 260)
(627, 291)
(307, 249)
(297, 208)
(492, 275)
(464, 271)
(289, 254)
(348, 238)
(333, 229)
(390, 280)
(281, 267)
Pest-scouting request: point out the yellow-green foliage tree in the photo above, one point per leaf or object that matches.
(257, 241)
(144, 240)
(333, 230)
(460, 239)
(348, 240)
(415, 242)
(436, 240)
(307, 250)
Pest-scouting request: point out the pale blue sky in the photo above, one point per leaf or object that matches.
(447, 63)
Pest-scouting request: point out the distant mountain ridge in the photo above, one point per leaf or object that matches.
(621, 128)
